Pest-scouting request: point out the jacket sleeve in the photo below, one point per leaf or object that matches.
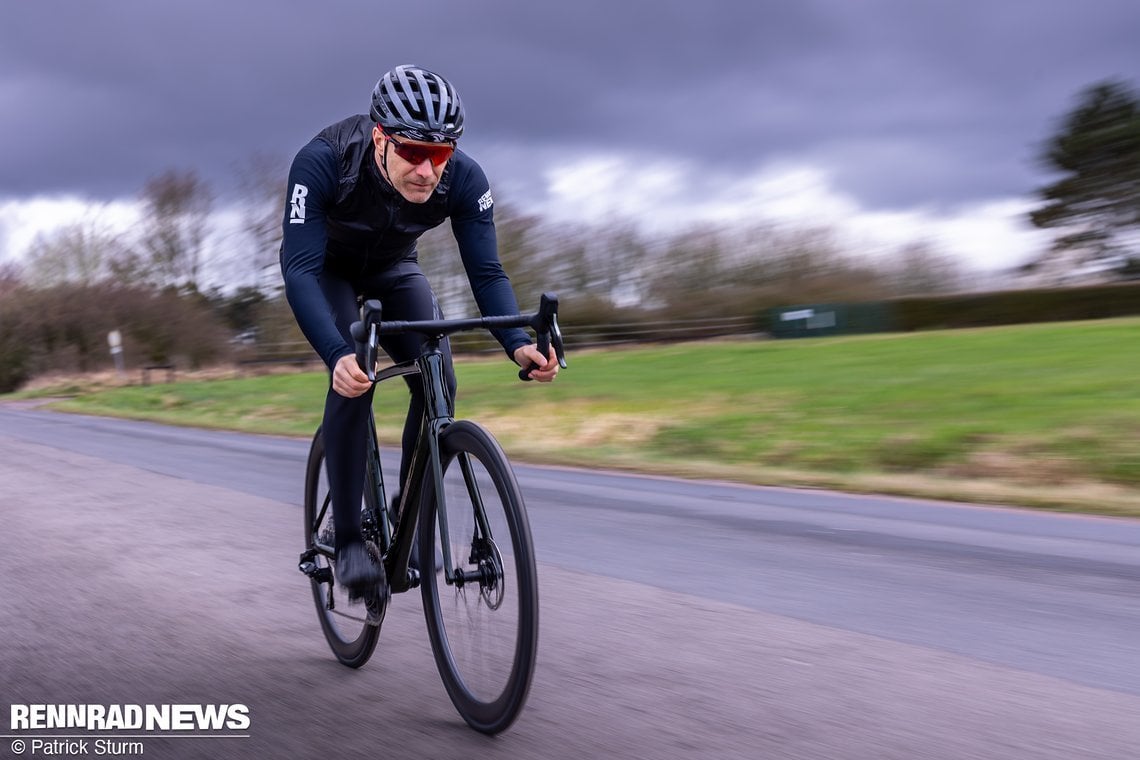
(311, 191)
(472, 222)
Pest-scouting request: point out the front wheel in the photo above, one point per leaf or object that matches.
(482, 604)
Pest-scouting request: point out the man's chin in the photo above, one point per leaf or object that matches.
(417, 194)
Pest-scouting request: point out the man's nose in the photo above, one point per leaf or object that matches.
(424, 169)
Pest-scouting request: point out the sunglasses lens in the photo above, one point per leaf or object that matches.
(417, 154)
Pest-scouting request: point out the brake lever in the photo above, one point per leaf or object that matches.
(366, 336)
(546, 333)
(556, 339)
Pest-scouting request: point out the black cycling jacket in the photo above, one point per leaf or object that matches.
(341, 214)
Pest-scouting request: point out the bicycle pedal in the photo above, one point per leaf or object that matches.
(305, 562)
(318, 574)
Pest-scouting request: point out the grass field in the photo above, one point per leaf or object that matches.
(1045, 415)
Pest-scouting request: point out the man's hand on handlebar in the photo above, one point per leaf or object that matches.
(348, 379)
(542, 370)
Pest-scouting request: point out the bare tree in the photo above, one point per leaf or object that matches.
(521, 252)
(923, 270)
(11, 277)
(737, 271)
(176, 223)
(261, 180)
(610, 263)
(78, 253)
(440, 261)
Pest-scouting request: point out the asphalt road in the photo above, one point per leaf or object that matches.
(154, 565)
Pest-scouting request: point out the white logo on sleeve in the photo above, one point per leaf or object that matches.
(297, 203)
(485, 201)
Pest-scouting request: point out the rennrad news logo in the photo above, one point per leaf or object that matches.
(130, 717)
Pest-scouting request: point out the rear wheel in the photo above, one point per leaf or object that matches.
(351, 631)
(482, 605)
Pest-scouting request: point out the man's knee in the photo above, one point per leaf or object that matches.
(342, 407)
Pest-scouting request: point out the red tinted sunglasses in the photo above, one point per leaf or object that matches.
(417, 153)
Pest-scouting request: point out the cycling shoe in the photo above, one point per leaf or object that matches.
(357, 571)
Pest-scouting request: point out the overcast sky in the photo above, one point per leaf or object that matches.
(884, 110)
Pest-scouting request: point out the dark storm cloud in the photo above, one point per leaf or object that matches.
(905, 102)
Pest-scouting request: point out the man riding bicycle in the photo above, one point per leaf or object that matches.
(359, 196)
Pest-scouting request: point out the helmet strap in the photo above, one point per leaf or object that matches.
(384, 160)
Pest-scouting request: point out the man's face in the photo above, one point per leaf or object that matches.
(411, 165)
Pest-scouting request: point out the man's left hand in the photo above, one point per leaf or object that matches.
(544, 369)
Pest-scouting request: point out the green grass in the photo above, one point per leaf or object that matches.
(1045, 415)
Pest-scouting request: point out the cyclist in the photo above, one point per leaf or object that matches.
(359, 196)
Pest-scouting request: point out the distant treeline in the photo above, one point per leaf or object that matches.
(175, 299)
(65, 328)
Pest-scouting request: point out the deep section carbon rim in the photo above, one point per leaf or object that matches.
(483, 617)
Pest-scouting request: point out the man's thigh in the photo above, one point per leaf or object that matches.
(405, 294)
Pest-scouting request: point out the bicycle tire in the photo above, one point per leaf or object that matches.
(352, 641)
(505, 598)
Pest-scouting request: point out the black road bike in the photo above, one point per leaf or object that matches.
(479, 583)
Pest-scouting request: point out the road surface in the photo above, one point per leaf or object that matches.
(157, 565)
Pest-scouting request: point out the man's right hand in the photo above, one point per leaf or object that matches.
(348, 379)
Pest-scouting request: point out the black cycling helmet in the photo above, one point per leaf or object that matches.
(417, 104)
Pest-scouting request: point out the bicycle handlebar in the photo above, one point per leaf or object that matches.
(366, 332)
